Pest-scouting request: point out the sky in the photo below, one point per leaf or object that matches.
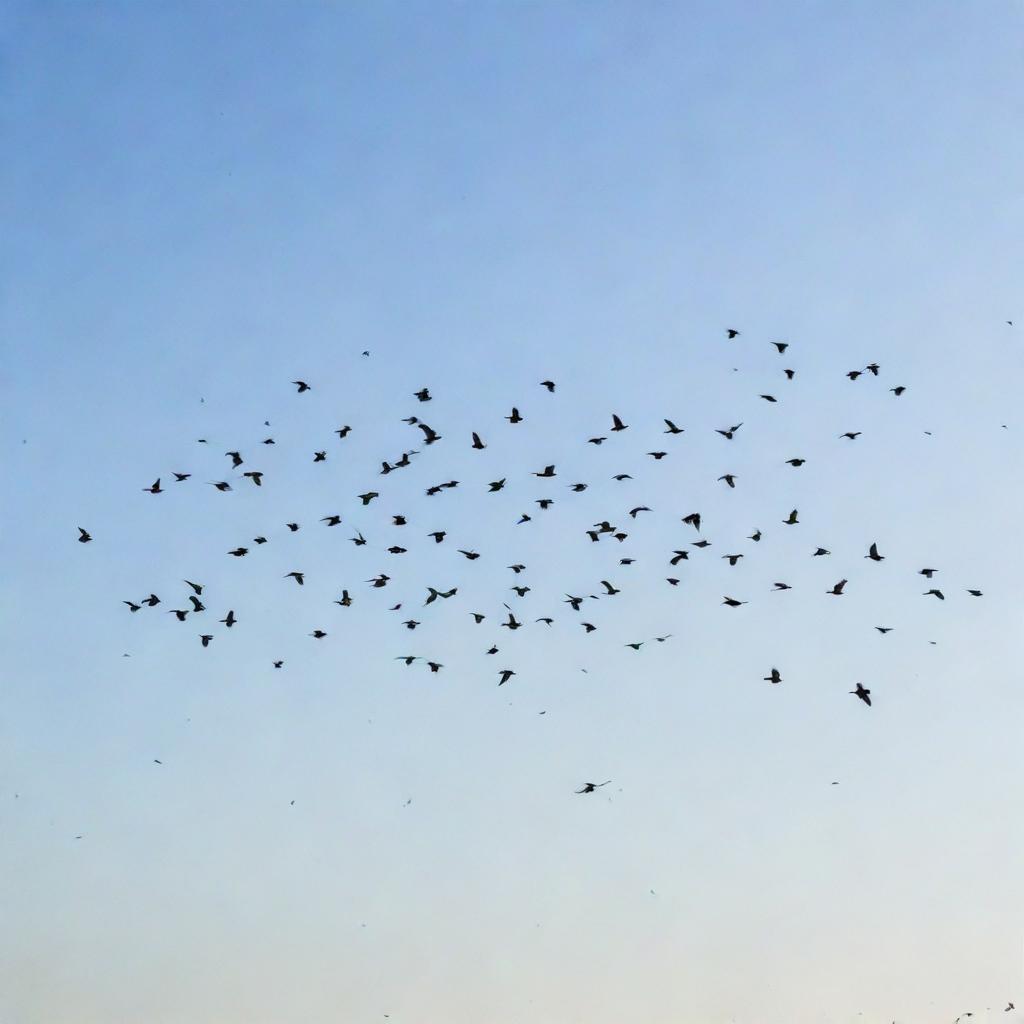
(204, 202)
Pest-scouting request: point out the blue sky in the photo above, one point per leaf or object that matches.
(204, 203)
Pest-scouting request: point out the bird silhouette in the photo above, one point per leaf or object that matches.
(84, 536)
(591, 787)
(862, 694)
(774, 678)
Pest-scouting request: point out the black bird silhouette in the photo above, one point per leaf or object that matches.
(255, 476)
(974, 593)
(671, 428)
(196, 587)
(471, 555)
(693, 519)
(728, 434)
(755, 536)
(577, 487)
(884, 629)
(477, 443)
(657, 455)
(590, 787)
(410, 623)
(634, 512)
(268, 440)
(791, 519)
(495, 485)
(678, 556)
(318, 634)
(546, 472)
(768, 398)
(408, 658)
(596, 440)
(331, 520)
(229, 620)
(837, 590)
(343, 432)
(622, 476)
(197, 605)
(732, 602)
(781, 346)
(368, 497)
(515, 417)
(517, 568)
(435, 666)
(731, 333)
(733, 559)
(429, 434)
(84, 536)
(155, 487)
(152, 600)
(478, 617)
(292, 527)
(379, 581)
(796, 463)
(221, 485)
(423, 395)
(862, 694)
(874, 368)
(617, 424)
(259, 540)
(854, 374)
(546, 620)
(504, 676)
(611, 591)
(782, 586)
(588, 627)
(820, 551)
(897, 391)
(927, 572)
(512, 623)
(278, 664)
(438, 535)
(549, 384)
(701, 544)
(544, 503)
(790, 374)
(205, 639)
(301, 385)
(345, 600)
(851, 435)
(935, 593)
(435, 594)
(180, 613)
(520, 591)
(181, 477)
(874, 555)
(299, 577)
(319, 456)
(774, 678)
(236, 459)
(729, 478)
(132, 606)
(491, 650)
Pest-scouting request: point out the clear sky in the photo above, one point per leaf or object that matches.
(204, 202)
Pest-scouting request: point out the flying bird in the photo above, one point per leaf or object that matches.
(590, 787)
(84, 536)
(862, 694)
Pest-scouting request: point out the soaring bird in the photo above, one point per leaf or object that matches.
(504, 676)
(731, 333)
(897, 391)
(239, 552)
(729, 478)
(590, 787)
(546, 472)
(495, 485)
(851, 435)
(935, 593)
(181, 477)
(299, 577)
(236, 459)
(728, 434)
(84, 536)
(837, 590)
(368, 497)
(791, 519)
(862, 694)
(301, 385)
(732, 602)
(345, 601)
(205, 639)
(693, 519)
(774, 677)
(514, 417)
(974, 593)
(255, 476)
(423, 395)
(671, 428)
(781, 346)
(617, 424)
(318, 634)
(229, 620)
(611, 591)
(874, 555)
(154, 488)
(795, 462)
(331, 520)
(733, 559)
(549, 384)
(477, 443)
(343, 432)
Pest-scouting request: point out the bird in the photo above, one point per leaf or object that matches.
(517, 568)
(278, 664)
(299, 577)
(471, 555)
(729, 478)
(345, 601)
(733, 559)
(132, 606)
(549, 384)
(197, 588)
(796, 463)
(544, 503)
(678, 556)
(514, 417)
(728, 434)
(433, 594)
(179, 612)
(732, 333)
(197, 605)
(657, 456)
(496, 485)
(152, 600)
(782, 586)
(435, 666)
(693, 519)
(292, 527)
(398, 521)
(791, 519)
(429, 434)
(974, 593)
(331, 520)
(774, 678)
(438, 536)
(343, 432)
(477, 443)
(596, 440)
(768, 398)
(874, 368)
(236, 459)
(790, 374)
(622, 476)
(301, 385)
(898, 390)
(546, 472)
(154, 488)
(837, 590)
(781, 346)
(874, 555)
(181, 477)
(423, 395)
(368, 497)
(671, 428)
(318, 634)
(862, 694)
(259, 540)
(577, 487)
(84, 536)
(854, 374)
(379, 581)
(755, 536)
(617, 424)
(732, 602)
(636, 646)
(935, 593)
(590, 787)
(221, 485)
(611, 591)
(504, 676)
(927, 572)
(634, 512)
(255, 476)
(229, 620)
(319, 456)
(588, 627)
(884, 629)
(818, 552)
(851, 435)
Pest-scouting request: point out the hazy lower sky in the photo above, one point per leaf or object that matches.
(204, 202)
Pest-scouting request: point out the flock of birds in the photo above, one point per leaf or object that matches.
(191, 605)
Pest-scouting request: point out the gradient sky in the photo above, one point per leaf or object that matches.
(202, 203)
